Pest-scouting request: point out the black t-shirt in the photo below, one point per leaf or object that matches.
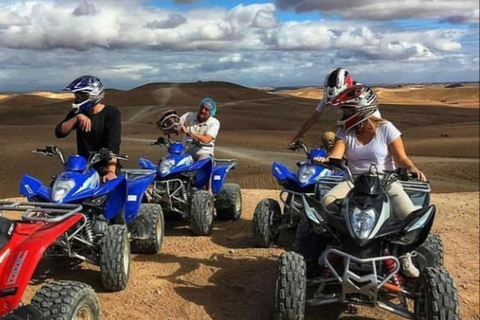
(105, 133)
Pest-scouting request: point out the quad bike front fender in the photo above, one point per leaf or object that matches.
(21, 255)
(146, 164)
(219, 175)
(204, 171)
(116, 190)
(30, 186)
(136, 187)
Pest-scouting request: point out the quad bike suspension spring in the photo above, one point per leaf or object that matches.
(390, 265)
(89, 230)
(183, 192)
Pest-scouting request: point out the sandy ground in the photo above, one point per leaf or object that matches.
(223, 277)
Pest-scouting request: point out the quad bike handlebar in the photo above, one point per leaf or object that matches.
(95, 156)
(50, 151)
(391, 176)
(297, 145)
(160, 141)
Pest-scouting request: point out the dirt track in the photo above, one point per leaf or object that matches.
(222, 277)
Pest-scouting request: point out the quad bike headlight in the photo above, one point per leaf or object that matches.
(305, 172)
(363, 222)
(61, 188)
(166, 165)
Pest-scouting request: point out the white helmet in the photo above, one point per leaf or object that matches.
(335, 82)
(358, 103)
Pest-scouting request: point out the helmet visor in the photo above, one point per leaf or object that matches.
(80, 97)
(348, 111)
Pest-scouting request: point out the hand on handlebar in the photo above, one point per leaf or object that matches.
(419, 175)
(109, 176)
(321, 159)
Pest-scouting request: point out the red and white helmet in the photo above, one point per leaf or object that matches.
(358, 103)
(335, 82)
(168, 122)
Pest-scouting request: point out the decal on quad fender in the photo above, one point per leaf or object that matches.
(17, 266)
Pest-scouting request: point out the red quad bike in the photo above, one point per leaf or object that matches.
(22, 245)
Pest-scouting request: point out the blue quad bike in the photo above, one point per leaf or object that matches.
(180, 187)
(113, 214)
(268, 217)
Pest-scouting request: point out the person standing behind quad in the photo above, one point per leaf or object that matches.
(336, 81)
(97, 125)
(201, 129)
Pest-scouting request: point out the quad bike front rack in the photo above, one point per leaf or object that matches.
(42, 211)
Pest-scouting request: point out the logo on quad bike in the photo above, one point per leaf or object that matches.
(12, 278)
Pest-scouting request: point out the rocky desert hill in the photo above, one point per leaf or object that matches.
(463, 96)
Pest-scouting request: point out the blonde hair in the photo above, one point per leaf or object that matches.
(378, 121)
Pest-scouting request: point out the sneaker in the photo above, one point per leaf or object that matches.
(407, 266)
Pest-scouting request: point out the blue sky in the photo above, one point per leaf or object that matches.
(46, 43)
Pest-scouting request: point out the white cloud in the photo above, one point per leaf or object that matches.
(124, 42)
(174, 20)
(463, 10)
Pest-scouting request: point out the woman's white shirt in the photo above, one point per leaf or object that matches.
(360, 157)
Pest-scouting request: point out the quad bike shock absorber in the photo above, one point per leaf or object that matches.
(89, 230)
(390, 265)
(183, 192)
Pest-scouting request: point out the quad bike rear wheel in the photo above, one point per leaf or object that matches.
(67, 300)
(266, 222)
(115, 257)
(151, 219)
(201, 214)
(438, 297)
(290, 287)
(228, 202)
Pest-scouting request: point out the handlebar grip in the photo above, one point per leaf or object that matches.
(122, 157)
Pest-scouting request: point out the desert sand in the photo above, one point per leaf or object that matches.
(222, 276)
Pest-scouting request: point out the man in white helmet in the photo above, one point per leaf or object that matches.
(335, 82)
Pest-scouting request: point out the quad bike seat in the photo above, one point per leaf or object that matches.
(6, 230)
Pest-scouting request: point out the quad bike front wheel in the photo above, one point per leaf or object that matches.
(152, 221)
(432, 250)
(266, 222)
(438, 297)
(201, 214)
(290, 287)
(115, 257)
(228, 202)
(67, 300)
